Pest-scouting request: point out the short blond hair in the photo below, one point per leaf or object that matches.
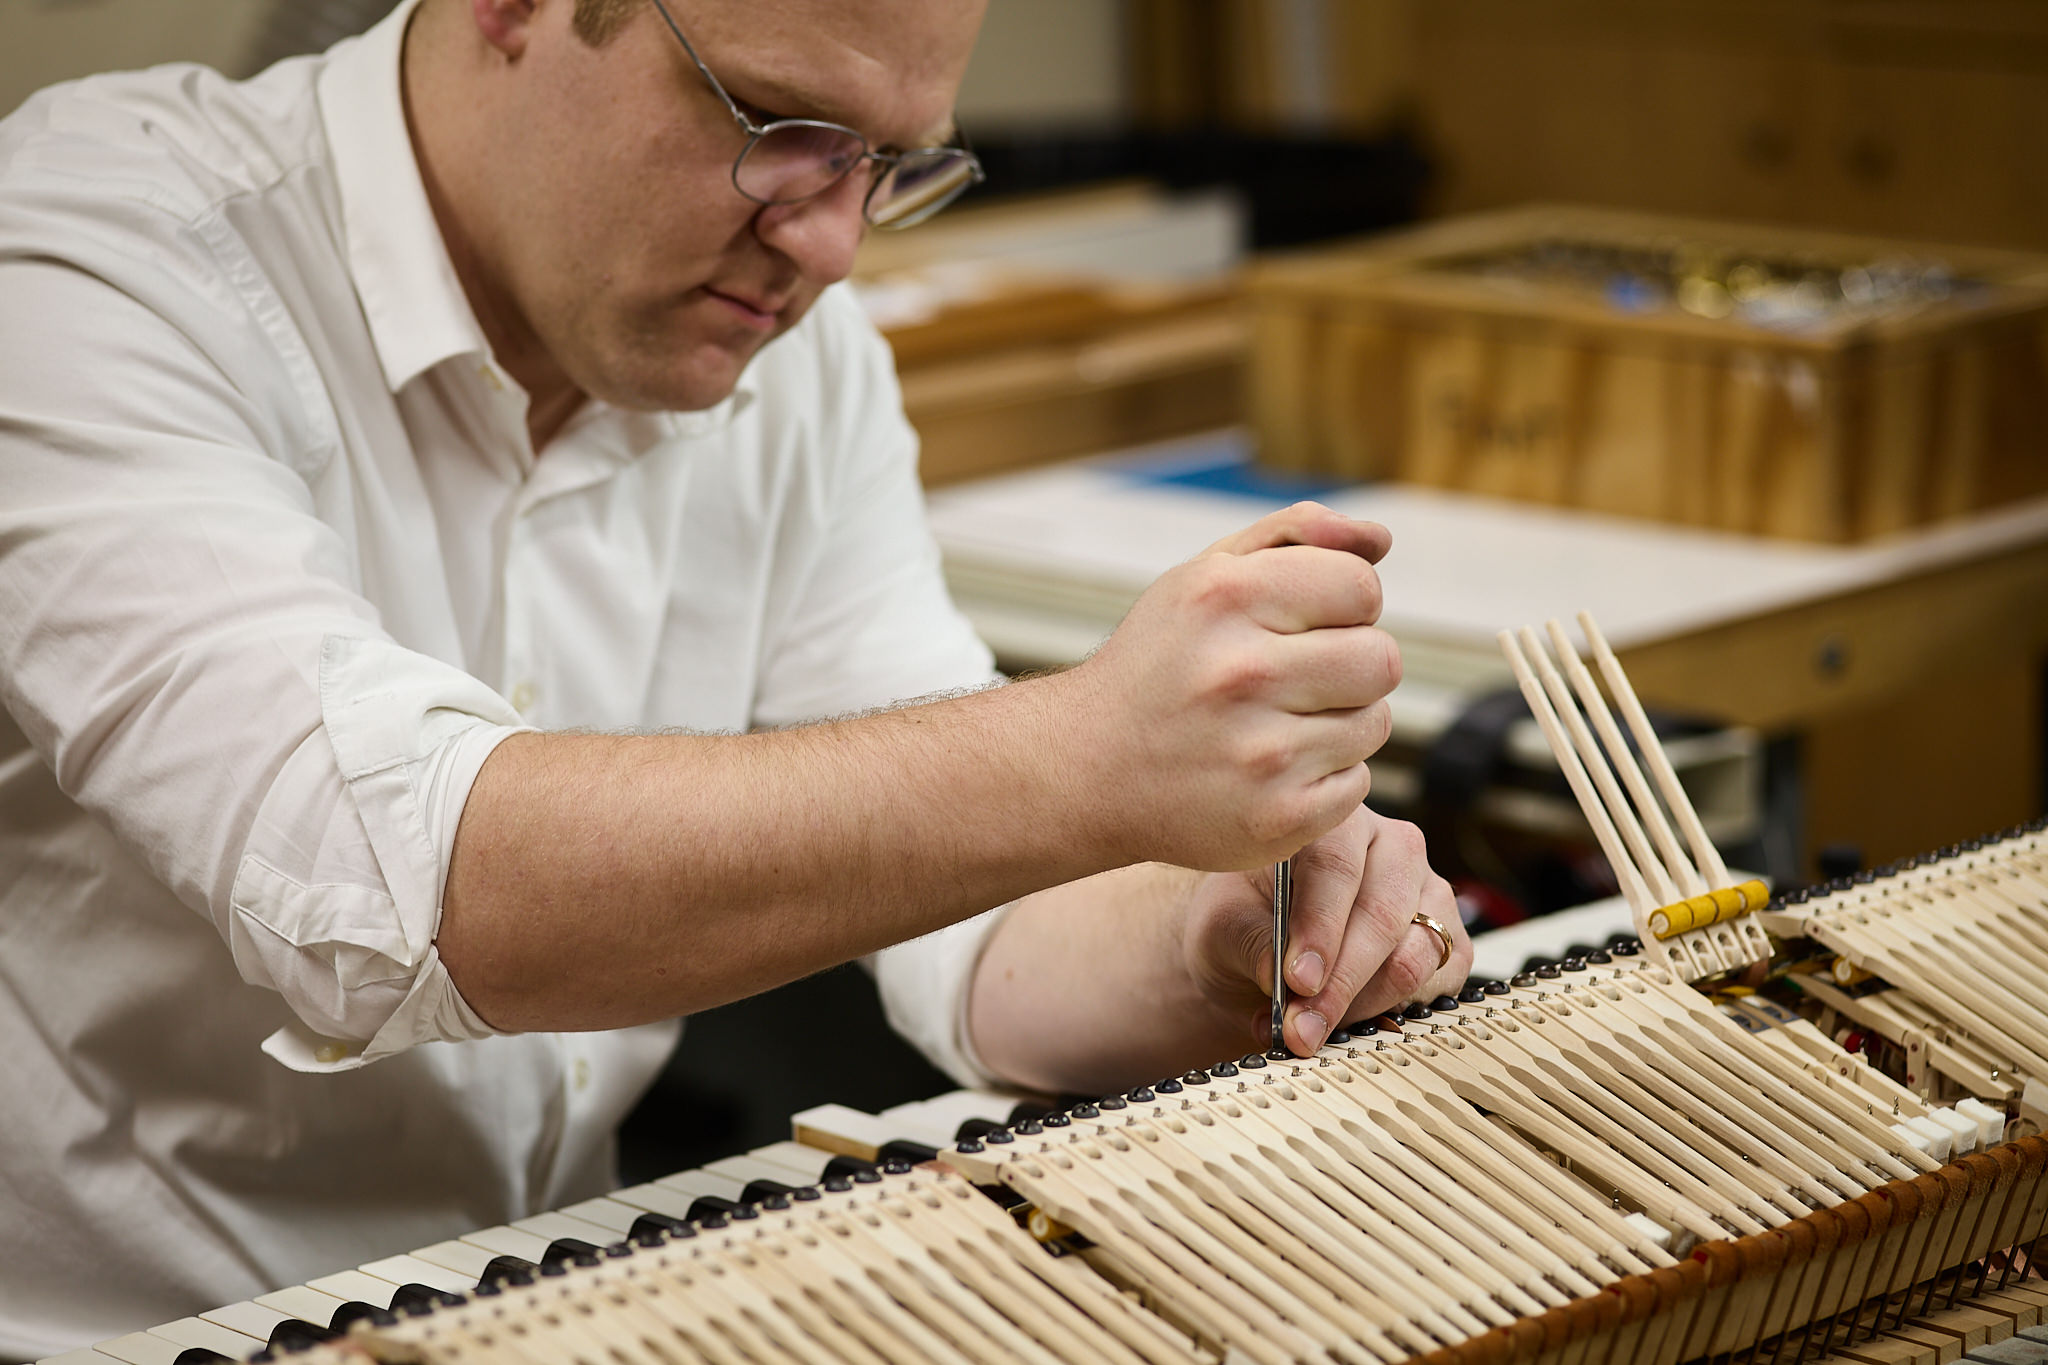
(597, 20)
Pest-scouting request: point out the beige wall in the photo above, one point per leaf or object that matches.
(1039, 62)
(45, 41)
(1046, 62)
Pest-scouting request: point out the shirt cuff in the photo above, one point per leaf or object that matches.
(926, 985)
(433, 1011)
(338, 897)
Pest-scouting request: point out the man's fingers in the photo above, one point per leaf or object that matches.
(1309, 523)
(1326, 877)
(1287, 589)
(1416, 969)
(1386, 957)
(1328, 670)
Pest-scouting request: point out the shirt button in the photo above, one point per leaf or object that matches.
(523, 697)
(581, 1071)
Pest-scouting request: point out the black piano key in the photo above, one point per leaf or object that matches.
(653, 1229)
(758, 1190)
(414, 1297)
(848, 1166)
(903, 1149)
(355, 1311)
(570, 1251)
(973, 1130)
(199, 1355)
(507, 1270)
(1028, 1109)
(296, 1334)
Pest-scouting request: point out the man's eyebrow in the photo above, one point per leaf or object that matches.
(791, 101)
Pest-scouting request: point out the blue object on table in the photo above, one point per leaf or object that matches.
(1223, 464)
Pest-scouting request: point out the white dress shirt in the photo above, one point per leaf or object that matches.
(278, 568)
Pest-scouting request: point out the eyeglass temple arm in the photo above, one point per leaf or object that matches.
(730, 107)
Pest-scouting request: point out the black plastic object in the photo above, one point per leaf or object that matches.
(421, 1297)
(571, 1251)
(508, 1270)
(649, 1228)
(296, 1334)
(904, 1150)
(355, 1311)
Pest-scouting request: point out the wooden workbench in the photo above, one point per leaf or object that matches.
(1908, 668)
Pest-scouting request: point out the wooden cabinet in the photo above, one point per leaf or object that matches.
(1906, 118)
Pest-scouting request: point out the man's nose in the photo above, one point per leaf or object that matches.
(819, 235)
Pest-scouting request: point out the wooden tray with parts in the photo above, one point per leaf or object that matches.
(1761, 380)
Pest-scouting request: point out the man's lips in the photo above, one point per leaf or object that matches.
(759, 312)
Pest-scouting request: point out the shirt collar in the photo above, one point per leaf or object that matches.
(418, 313)
(414, 303)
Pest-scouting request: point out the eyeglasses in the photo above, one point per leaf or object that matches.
(794, 159)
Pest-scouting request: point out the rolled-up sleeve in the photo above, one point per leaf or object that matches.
(184, 641)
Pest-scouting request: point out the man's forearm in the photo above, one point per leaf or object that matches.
(1084, 987)
(603, 881)
(600, 881)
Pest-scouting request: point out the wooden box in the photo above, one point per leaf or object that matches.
(1044, 374)
(1760, 380)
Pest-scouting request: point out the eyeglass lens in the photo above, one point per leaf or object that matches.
(794, 160)
(919, 185)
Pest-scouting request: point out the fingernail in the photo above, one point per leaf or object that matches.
(1312, 1027)
(1308, 973)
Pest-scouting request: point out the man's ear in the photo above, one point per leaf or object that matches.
(506, 25)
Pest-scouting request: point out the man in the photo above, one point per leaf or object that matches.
(376, 431)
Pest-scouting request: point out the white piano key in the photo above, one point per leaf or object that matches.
(938, 1120)
(250, 1319)
(190, 1332)
(450, 1266)
(611, 1215)
(694, 1183)
(356, 1286)
(806, 1163)
(836, 1128)
(306, 1303)
(917, 1127)
(748, 1168)
(508, 1241)
(554, 1226)
(655, 1199)
(84, 1355)
(140, 1348)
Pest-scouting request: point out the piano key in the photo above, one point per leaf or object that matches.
(84, 1355)
(607, 1213)
(509, 1241)
(554, 1226)
(250, 1319)
(803, 1161)
(836, 1128)
(655, 1199)
(190, 1332)
(355, 1286)
(445, 1265)
(303, 1301)
(746, 1168)
(694, 1183)
(934, 1122)
(140, 1348)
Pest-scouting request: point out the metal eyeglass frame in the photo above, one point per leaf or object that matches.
(889, 161)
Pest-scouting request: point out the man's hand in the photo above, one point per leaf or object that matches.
(1146, 971)
(1228, 720)
(1354, 948)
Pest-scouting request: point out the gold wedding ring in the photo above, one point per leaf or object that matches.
(1443, 935)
